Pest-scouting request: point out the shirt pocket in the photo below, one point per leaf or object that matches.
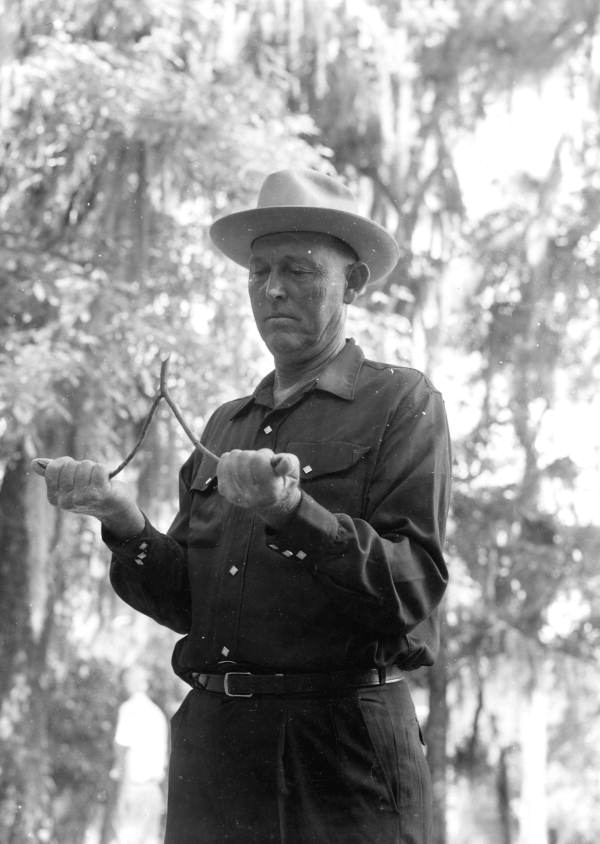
(207, 512)
(333, 473)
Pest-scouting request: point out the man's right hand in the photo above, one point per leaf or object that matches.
(82, 486)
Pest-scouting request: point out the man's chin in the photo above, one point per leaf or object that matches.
(283, 343)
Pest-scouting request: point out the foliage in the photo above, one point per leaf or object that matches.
(102, 159)
(122, 141)
(81, 706)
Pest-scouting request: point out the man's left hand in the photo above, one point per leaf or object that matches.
(262, 481)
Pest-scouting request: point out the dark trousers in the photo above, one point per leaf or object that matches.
(348, 768)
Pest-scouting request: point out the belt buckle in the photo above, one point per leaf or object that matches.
(226, 688)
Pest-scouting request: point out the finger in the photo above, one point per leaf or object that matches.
(259, 466)
(100, 476)
(226, 464)
(285, 464)
(66, 477)
(82, 478)
(39, 464)
(56, 477)
(245, 473)
(227, 470)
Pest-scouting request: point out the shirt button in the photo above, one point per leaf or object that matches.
(225, 650)
(307, 469)
(233, 571)
(268, 429)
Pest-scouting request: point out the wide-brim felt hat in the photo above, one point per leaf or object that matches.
(306, 201)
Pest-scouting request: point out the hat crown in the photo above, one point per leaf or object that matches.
(298, 200)
(305, 189)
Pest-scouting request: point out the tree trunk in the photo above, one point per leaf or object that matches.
(533, 809)
(503, 796)
(436, 734)
(26, 530)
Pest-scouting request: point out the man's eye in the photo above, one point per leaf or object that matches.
(258, 273)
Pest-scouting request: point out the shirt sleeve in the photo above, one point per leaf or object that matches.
(387, 570)
(149, 571)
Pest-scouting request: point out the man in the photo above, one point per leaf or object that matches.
(304, 569)
(141, 741)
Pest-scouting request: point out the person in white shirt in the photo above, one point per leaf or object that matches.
(141, 747)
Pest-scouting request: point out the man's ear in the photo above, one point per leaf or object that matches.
(357, 275)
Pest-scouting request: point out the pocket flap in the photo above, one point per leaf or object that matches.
(205, 478)
(325, 458)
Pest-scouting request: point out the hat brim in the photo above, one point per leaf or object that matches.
(235, 233)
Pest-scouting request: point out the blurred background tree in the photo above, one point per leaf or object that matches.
(125, 131)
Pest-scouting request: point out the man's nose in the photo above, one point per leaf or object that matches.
(275, 288)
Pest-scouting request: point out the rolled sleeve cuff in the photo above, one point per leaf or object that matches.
(135, 550)
(311, 533)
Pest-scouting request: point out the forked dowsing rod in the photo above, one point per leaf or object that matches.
(163, 393)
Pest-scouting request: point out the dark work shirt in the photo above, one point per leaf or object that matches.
(354, 578)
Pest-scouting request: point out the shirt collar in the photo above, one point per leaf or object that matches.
(339, 378)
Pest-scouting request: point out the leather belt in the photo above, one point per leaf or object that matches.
(246, 684)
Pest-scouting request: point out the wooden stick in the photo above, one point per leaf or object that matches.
(162, 393)
(140, 439)
(280, 463)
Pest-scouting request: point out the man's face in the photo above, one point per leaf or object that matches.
(296, 284)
